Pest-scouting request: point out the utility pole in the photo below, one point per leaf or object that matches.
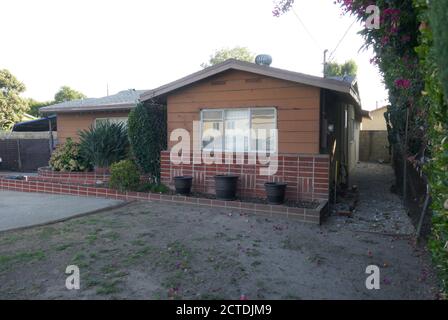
(325, 63)
(107, 89)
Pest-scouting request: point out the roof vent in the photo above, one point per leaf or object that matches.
(263, 60)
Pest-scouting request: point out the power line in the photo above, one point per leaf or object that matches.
(306, 30)
(330, 57)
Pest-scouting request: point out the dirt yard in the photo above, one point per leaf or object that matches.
(160, 251)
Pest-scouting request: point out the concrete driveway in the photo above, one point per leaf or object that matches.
(22, 209)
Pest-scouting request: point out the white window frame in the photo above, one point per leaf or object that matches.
(250, 127)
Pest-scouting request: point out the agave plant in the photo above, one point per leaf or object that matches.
(104, 144)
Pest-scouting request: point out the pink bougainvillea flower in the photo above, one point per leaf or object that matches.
(403, 83)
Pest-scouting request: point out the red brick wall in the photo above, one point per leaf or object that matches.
(306, 175)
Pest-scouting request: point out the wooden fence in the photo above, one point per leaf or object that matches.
(25, 151)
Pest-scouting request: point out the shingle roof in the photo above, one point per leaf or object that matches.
(123, 100)
(347, 86)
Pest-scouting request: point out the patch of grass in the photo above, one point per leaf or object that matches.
(138, 242)
(112, 235)
(7, 261)
(109, 287)
(91, 238)
(138, 255)
(109, 269)
(108, 250)
(121, 274)
(175, 256)
(174, 280)
(289, 244)
(64, 246)
(92, 283)
(48, 232)
(92, 221)
(80, 260)
(10, 239)
(113, 223)
(68, 228)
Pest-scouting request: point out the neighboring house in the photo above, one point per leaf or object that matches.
(76, 115)
(376, 122)
(374, 137)
(317, 119)
(36, 125)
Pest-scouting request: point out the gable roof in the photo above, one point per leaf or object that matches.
(347, 85)
(123, 100)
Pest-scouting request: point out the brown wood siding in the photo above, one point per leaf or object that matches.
(70, 123)
(297, 106)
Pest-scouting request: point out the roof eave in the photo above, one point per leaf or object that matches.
(88, 108)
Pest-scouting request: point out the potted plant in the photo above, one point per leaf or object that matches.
(275, 192)
(183, 184)
(225, 186)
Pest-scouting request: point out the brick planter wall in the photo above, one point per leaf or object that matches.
(306, 175)
(46, 174)
(301, 214)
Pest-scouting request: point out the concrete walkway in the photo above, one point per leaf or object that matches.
(378, 210)
(22, 209)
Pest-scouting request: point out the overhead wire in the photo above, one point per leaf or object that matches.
(306, 29)
(330, 57)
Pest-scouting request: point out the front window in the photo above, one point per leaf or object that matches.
(123, 120)
(239, 130)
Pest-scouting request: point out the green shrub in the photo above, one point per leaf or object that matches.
(104, 143)
(153, 187)
(68, 158)
(124, 175)
(147, 136)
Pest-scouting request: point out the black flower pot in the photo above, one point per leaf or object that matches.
(275, 192)
(183, 184)
(225, 187)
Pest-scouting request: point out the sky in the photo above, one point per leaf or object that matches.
(92, 45)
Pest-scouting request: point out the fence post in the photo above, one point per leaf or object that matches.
(19, 160)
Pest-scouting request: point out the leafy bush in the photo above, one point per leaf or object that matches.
(104, 143)
(68, 158)
(147, 136)
(124, 175)
(433, 52)
(153, 187)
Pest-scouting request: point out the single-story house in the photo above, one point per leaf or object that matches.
(374, 137)
(376, 120)
(317, 122)
(76, 115)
